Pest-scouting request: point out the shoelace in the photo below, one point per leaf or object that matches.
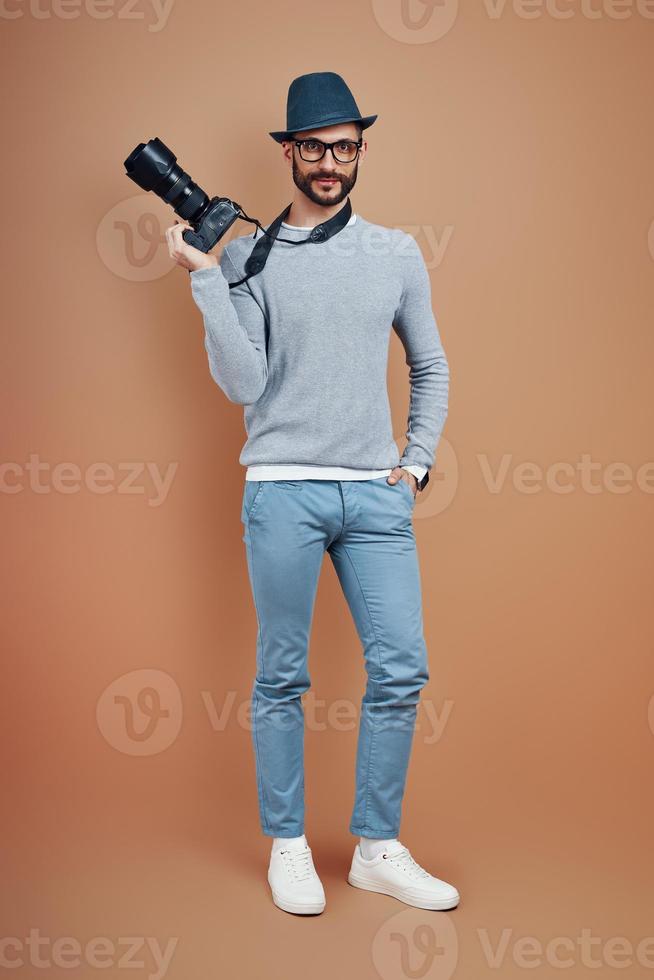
(403, 860)
(299, 863)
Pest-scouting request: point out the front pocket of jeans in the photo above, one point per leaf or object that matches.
(408, 490)
(249, 509)
(288, 484)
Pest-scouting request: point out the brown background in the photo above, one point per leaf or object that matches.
(524, 144)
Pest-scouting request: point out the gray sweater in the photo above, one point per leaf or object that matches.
(303, 346)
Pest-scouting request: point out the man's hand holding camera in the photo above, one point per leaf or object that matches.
(186, 255)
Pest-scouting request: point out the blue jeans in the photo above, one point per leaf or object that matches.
(366, 526)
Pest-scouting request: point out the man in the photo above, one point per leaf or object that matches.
(303, 345)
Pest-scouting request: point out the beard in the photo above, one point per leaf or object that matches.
(326, 198)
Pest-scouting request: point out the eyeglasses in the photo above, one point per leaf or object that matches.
(343, 151)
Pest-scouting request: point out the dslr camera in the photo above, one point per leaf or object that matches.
(154, 167)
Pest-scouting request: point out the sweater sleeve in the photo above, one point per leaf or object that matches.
(415, 324)
(234, 331)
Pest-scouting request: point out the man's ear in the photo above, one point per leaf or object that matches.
(287, 147)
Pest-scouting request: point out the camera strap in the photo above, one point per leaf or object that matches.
(259, 254)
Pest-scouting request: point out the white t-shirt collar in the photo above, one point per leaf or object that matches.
(306, 228)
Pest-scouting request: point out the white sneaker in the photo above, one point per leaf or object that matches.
(294, 881)
(395, 873)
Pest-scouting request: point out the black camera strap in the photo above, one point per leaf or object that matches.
(259, 254)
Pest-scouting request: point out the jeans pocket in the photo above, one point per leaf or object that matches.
(251, 497)
(288, 484)
(407, 489)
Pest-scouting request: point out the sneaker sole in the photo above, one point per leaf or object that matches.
(436, 905)
(304, 908)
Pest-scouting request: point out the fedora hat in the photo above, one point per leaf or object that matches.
(320, 98)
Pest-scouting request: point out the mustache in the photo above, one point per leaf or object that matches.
(327, 177)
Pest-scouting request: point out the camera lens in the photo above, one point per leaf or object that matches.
(154, 167)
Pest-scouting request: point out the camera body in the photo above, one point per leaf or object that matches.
(220, 214)
(154, 167)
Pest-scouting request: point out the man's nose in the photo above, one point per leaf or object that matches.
(328, 159)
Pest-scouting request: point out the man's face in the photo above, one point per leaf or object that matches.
(326, 182)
